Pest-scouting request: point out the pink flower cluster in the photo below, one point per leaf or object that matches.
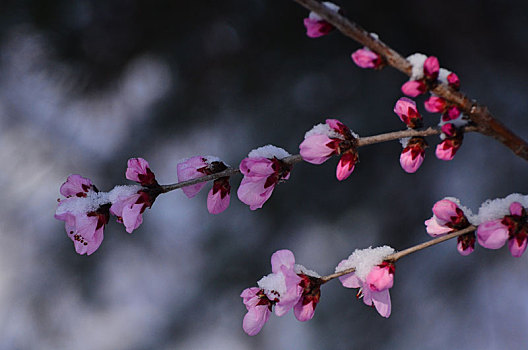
(86, 210)
(425, 73)
(289, 286)
(374, 289)
(499, 221)
(413, 153)
(316, 26)
(325, 140)
(263, 169)
(449, 217)
(372, 275)
(198, 166)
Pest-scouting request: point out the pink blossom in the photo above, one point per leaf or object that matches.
(138, 170)
(365, 58)
(513, 228)
(318, 148)
(375, 288)
(466, 243)
(431, 68)
(190, 169)
(316, 26)
(84, 212)
(413, 88)
(435, 104)
(434, 228)
(282, 266)
(406, 109)
(311, 293)
(76, 185)
(85, 230)
(381, 277)
(198, 166)
(261, 175)
(447, 149)
(413, 154)
(453, 81)
(445, 210)
(129, 209)
(346, 165)
(447, 217)
(492, 234)
(325, 140)
(259, 310)
(128, 206)
(284, 289)
(451, 113)
(218, 197)
(517, 246)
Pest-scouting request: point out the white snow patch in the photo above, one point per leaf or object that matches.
(269, 151)
(83, 205)
(93, 200)
(459, 122)
(329, 5)
(273, 282)
(442, 75)
(404, 141)
(323, 129)
(122, 191)
(494, 209)
(417, 60)
(210, 159)
(301, 269)
(363, 260)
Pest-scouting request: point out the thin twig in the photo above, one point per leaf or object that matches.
(362, 141)
(398, 255)
(479, 114)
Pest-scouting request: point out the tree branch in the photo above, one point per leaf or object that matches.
(479, 114)
(398, 255)
(362, 141)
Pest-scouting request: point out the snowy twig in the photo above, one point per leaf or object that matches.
(479, 114)
(398, 255)
(363, 141)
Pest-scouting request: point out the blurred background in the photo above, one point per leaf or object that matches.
(87, 84)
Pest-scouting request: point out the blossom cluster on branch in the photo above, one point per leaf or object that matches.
(371, 270)
(85, 210)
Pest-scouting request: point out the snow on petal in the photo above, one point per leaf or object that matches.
(188, 169)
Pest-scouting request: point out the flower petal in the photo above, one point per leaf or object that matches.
(492, 234)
